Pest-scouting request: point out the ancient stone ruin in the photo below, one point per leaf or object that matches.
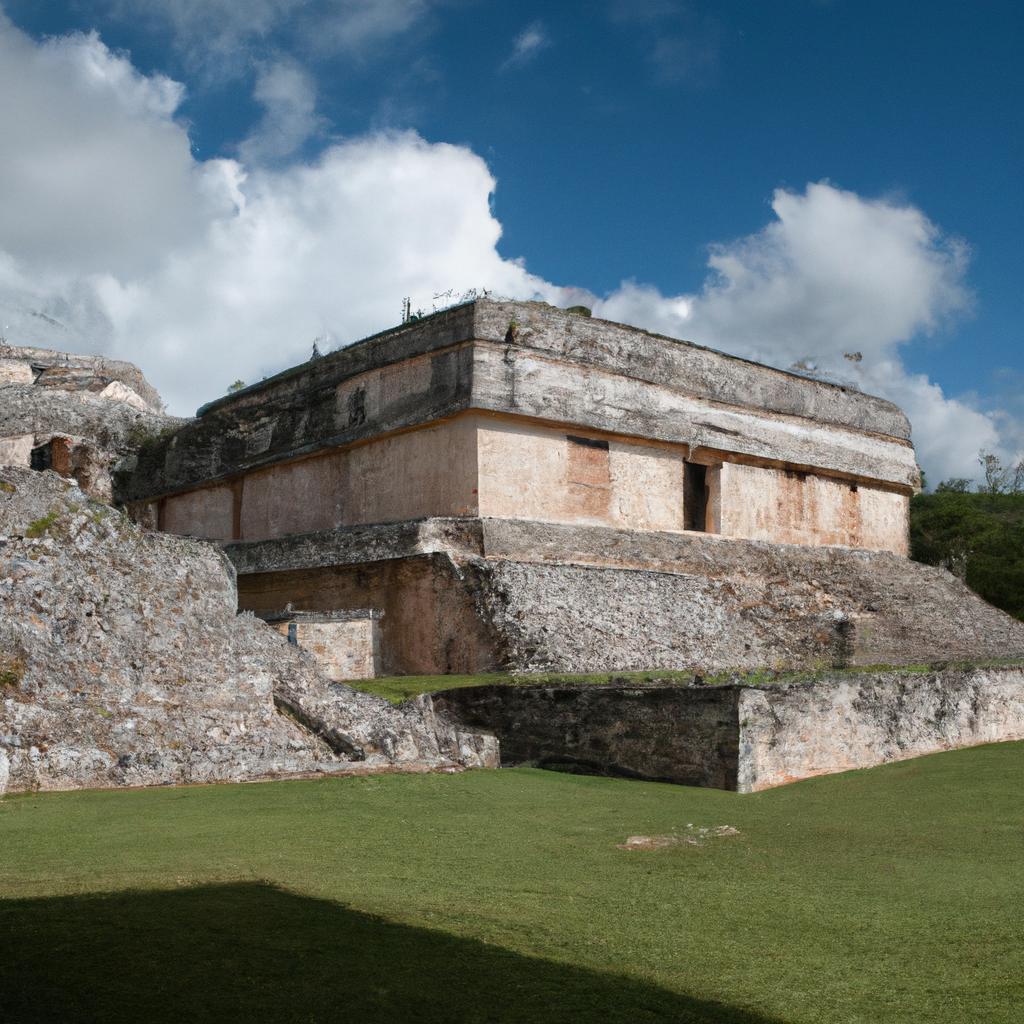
(502, 486)
(77, 415)
(123, 661)
(516, 487)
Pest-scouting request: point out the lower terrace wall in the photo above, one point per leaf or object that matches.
(477, 595)
(745, 738)
(661, 733)
(798, 731)
(428, 623)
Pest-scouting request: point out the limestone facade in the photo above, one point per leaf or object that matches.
(521, 411)
(514, 486)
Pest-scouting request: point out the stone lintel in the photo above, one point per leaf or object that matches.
(319, 617)
(358, 545)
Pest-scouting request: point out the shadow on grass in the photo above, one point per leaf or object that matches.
(253, 952)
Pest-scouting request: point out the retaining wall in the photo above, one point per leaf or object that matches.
(740, 737)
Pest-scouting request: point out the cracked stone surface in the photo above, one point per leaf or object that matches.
(123, 662)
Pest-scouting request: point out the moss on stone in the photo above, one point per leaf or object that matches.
(38, 527)
(12, 671)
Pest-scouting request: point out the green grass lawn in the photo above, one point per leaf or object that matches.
(894, 894)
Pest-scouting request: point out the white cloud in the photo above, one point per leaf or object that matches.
(288, 95)
(349, 25)
(527, 45)
(94, 174)
(203, 272)
(329, 248)
(113, 237)
(218, 35)
(835, 274)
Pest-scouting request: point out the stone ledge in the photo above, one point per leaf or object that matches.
(540, 596)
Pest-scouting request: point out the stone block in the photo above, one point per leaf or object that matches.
(16, 451)
(15, 371)
(346, 645)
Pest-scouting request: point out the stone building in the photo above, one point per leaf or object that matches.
(512, 485)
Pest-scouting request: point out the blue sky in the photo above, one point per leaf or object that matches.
(852, 170)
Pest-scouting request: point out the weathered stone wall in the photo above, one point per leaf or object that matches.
(426, 472)
(528, 471)
(786, 507)
(518, 468)
(123, 662)
(531, 360)
(345, 645)
(695, 370)
(797, 731)
(429, 622)
(743, 737)
(465, 595)
(208, 513)
(516, 381)
(421, 473)
(662, 733)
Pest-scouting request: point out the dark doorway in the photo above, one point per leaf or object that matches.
(42, 457)
(695, 496)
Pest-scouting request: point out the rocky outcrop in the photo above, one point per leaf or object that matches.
(123, 662)
(78, 415)
(48, 369)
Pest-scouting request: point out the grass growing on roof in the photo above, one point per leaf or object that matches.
(891, 894)
(401, 688)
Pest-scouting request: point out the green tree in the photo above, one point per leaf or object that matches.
(978, 537)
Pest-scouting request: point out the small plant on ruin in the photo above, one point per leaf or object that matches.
(38, 527)
(12, 671)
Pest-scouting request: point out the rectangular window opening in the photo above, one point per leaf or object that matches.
(695, 497)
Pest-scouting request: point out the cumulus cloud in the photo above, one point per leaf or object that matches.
(525, 47)
(834, 285)
(322, 249)
(288, 95)
(113, 237)
(94, 174)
